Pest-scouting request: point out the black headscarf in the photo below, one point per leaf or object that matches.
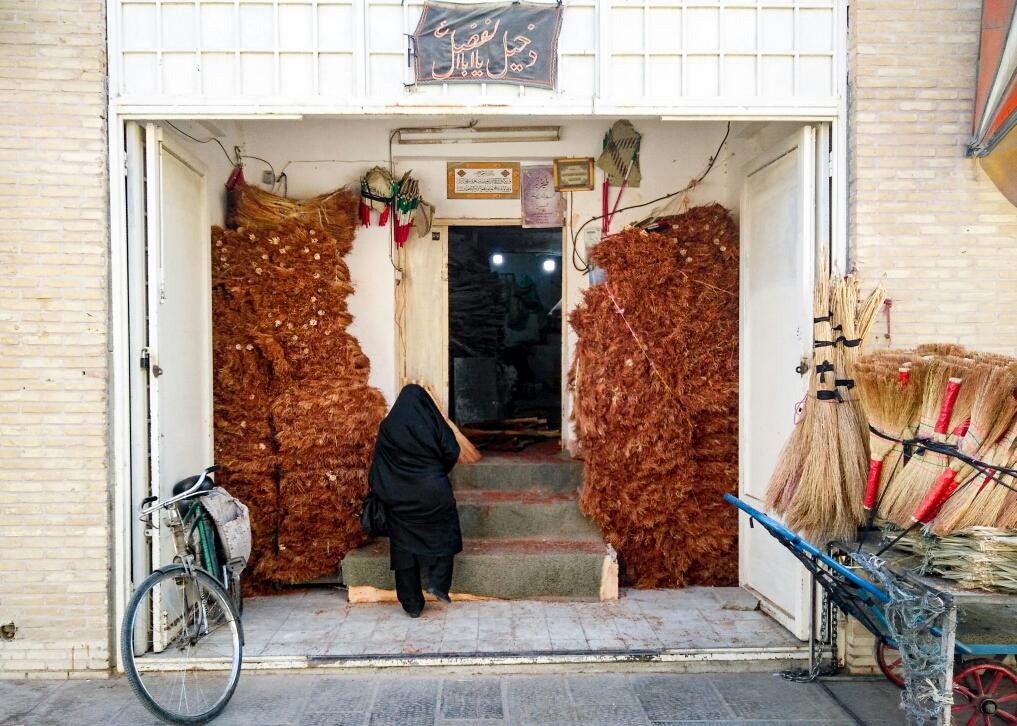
(414, 453)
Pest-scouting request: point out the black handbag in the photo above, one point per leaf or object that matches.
(373, 518)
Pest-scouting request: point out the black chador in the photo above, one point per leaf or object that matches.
(413, 456)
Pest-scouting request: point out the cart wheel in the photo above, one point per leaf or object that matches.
(890, 662)
(985, 694)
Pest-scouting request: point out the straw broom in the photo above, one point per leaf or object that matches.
(890, 394)
(852, 447)
(991, 417)
(788, 470)
(817, 506)
(927, 493)
(856, 324)
(921, 472)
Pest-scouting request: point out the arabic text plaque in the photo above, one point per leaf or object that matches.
(573, 175)
(483, 180)
(515, 43)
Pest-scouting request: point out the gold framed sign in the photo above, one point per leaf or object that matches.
(573, 175)
(483, 180)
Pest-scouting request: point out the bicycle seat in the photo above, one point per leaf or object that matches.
(184, 484)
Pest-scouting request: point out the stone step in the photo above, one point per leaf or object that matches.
(515, 515)
(516, 569)
(552, 475)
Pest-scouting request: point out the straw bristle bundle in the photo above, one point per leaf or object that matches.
(295, 419)
(661, 442)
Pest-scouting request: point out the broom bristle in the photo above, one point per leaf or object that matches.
(788, 470)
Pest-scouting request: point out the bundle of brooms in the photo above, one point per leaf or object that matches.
(656, 405)
(295, 418)
(819, 481)
(968, 414)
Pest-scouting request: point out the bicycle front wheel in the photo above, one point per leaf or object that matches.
(182, 646)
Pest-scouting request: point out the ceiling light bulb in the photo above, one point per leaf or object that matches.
(497, 259)
(549, 265)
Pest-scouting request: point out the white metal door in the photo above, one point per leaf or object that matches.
(179, 274)
(778, 238)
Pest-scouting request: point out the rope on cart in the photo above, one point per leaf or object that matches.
(914, 617)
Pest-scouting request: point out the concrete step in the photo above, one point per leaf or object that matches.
(515, 515)
(518, 473)
(516, 569)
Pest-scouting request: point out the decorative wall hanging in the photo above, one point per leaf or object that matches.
(573, 175)
(542, 205)
(483, 180)
(515, 43)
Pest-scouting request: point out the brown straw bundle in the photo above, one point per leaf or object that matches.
(788, 470)
(336, 212)
(817, 506)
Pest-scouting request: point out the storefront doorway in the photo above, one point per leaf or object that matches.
(505, 335)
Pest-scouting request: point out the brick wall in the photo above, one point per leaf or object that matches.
(918, 208)
(54, 511)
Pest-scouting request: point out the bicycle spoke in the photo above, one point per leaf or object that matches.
(1008, 717)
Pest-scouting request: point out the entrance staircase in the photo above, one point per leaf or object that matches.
(523, 537)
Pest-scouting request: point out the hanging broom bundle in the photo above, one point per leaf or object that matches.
(818, 507)
(377, 190)
(334, 212)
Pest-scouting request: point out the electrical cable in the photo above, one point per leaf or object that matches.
(691, 185)
(202, 141)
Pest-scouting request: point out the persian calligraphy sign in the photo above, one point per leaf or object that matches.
(573, 175)
(542, 205)
(483, 180)
(514, 43)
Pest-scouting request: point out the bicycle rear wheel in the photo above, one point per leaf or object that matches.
(182, 646)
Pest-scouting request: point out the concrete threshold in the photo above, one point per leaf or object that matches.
(685, 660)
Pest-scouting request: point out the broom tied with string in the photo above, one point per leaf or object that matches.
(852, 447)
(817, 506)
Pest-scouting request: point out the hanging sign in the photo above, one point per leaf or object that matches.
(514, 43)
(483, 180)
(542, 205)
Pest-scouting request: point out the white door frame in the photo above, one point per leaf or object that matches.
(120, 359)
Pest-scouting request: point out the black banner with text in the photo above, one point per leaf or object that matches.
(514, 43)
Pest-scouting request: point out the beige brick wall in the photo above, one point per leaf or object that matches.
(54, 511)
(918, 209)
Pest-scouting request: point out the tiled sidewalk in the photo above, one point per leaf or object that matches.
(321, 622)
(586, 700)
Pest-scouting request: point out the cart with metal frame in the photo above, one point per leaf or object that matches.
(979, 628)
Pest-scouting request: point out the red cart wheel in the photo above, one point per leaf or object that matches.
(890, 662)
(985, 694)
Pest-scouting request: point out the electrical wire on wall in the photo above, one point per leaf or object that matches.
(585, 269)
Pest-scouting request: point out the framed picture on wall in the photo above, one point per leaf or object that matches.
(483, 180)
(573, 175)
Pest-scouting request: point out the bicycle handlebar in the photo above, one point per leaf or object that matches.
(145, 511)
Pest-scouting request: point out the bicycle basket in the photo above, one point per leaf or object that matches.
(233, 522)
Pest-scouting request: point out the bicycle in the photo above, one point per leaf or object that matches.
(182, 639)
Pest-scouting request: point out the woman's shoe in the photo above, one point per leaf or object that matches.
(443, 596)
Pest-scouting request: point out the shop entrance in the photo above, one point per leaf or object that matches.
(505, 335)
(423, 289)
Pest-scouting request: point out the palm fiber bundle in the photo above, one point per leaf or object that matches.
(295, 418)
(336, 212)
(660, 438)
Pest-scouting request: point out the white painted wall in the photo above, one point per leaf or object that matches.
(321, 154)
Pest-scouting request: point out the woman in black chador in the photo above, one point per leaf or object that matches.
(414, 453)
